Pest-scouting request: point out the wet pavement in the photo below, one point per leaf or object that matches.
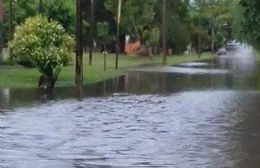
(202, 114)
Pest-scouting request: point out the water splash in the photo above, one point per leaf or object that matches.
(241, 58)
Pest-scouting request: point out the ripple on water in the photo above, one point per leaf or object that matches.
(191, 129)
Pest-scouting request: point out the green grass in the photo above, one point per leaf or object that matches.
(20, 77)
(257, 55)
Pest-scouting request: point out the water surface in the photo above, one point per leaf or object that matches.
(148, 118)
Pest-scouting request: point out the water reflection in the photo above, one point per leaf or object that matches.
(136, 83)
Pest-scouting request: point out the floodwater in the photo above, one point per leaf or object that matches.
(201, 114)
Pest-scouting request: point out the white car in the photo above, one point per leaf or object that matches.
(231, 44)
(221, 51)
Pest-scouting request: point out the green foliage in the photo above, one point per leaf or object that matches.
(219, 40)
(237, 20)
(151, 36)
(179, 37)
(136, 14)
(21, 10)
(103, 32)
(140, 18)
(43, 43)
(199, 32)
(213, 16)
(251, 24)
(63, 11)
(178, 22)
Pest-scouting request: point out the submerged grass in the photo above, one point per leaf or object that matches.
(20, 77)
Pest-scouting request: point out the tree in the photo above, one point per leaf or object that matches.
(79, 49)
(103, 37)
(179, 23)
(210, 16)
(152, 37)
(237, 20)
(251, 24)
(92, 27)
(16, 12)
(62, 11)
(46, 44)
(10, 26)
(164, 33)
(1, 28)
(137, 16)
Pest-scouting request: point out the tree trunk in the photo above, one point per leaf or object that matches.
(1, 29)
(47, 82)
(11, 27)
(164, 35)
(212, 39)
(118, 31)
(144, 51)
(92, 25)
(79, 51)
(199, 35)
(105, 58)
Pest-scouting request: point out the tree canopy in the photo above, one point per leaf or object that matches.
(187, 21)
(251, 23)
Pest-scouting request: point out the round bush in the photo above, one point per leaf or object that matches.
(42, 43)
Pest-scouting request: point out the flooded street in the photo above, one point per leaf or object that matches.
(201, 114)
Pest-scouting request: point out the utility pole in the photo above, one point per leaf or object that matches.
(79, 49)
(164, 34)
(118, 31)
(92, 20)
(10, 27)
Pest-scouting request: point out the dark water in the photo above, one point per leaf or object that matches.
(203, 114)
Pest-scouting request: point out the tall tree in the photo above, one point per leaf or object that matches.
(79, 49)
(92, 25)
(1, 28)
(178, 21)
(137, 16)
(164, 35)
(10, 27)
(119, 10)
(10, 19)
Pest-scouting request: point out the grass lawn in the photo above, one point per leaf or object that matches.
(257, 55)
(20, 77)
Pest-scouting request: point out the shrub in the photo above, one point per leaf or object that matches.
(45, 45)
